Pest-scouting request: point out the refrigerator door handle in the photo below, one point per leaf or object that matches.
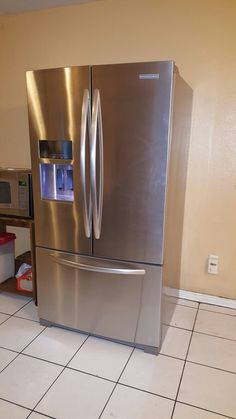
(97, 132)
(100, 269)
(85, 123)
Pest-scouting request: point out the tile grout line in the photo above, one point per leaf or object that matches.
(170, 356)
(168, 302)
(24, 318)
(214, 336)
(23, 407)
(55, 363)
(124, 385)
(13, 315)
(15, 404)
(205, 410)
(18, 354)
(21, 352)
(43, 414)
(196, 331)
(46, 416)
(177, 327)
(103, 378)
(163, 323)
(180, 382)
(18, 317)
(182, 305)
(138, 389)
(92, 375)
(196, 363)
(10, 350)
(66, 366)
(24, 305)
(33, 410)
(42, 359)
(204, 309)
(185, 361)
(218, 312)
(147, 391)
(211, 367)
(87, 373)
(116, 384)
(107, 379)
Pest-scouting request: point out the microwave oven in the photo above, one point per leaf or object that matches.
(16, 198)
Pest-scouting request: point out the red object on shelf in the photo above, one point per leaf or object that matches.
(6, 238)
(24, 282)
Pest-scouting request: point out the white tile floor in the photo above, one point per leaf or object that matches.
(67, 375)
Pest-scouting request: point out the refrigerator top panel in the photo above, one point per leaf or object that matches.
(56, 115)
(136, 101)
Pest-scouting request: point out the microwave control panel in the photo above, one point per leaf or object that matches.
(23, 194)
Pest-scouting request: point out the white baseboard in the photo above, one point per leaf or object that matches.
(201, 298)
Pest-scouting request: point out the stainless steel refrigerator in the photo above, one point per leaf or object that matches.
(100, 144)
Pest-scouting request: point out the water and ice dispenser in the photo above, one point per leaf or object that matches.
(56, 178)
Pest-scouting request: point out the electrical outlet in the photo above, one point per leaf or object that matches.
(212, 265)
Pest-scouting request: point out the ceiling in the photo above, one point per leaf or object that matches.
(20, 6)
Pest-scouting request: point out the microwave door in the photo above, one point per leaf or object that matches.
(16, 193)
(5, 193)
(8, 194)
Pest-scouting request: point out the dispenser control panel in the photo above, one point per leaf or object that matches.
(56, 178)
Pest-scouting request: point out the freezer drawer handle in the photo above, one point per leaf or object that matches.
(97, 201)
(93, 268)
(85, 123)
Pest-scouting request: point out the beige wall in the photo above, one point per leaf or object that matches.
(200, 36)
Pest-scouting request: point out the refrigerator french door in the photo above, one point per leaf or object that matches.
(99, 140)
(135, 104)
(55, 99)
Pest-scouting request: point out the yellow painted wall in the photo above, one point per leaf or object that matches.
(201, 37)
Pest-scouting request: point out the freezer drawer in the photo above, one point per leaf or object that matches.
(116, 300)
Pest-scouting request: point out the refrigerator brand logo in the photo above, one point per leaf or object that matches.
(149, 76)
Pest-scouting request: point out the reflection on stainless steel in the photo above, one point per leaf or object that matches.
(97, 198)
(101, 174)
(70, 102)
(35, 105)
(85, 127)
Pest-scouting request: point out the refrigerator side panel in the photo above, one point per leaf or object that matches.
(135, 105)
(177, 178)
(55, 99)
